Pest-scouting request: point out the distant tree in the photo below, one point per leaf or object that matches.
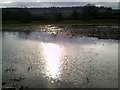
(7, 15)
(58, 16)
(89, 12)
(102, 7)
(55, 14)
(109, 11)
(75, 14)
(23, 15)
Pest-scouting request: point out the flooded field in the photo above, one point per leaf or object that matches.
(58, 57)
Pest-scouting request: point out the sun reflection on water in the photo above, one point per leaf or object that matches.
(52, 55)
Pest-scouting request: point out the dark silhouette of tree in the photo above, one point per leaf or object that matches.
(7, 15)
(109, 11)
(23, 15)
(56, 14)
(75, 14)
(58, 17)
(4, 15)
(89, 12)
(102, 7)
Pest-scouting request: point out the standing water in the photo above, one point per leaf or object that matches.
(48, 57)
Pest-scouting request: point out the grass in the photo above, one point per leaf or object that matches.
(97, 21)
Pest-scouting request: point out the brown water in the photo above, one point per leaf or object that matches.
(58, 60)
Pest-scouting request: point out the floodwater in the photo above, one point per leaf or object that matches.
(58, 60)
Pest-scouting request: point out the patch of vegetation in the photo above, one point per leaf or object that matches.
(65, 15)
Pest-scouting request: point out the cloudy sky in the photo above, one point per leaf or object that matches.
(8, 1)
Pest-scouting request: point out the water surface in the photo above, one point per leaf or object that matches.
(38, 59)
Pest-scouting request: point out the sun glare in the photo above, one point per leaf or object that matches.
(52, 54)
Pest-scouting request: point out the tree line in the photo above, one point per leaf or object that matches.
(86, 13)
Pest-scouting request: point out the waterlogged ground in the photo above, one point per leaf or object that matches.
(58, 57)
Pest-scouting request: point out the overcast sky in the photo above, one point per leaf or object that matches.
(8, 1)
